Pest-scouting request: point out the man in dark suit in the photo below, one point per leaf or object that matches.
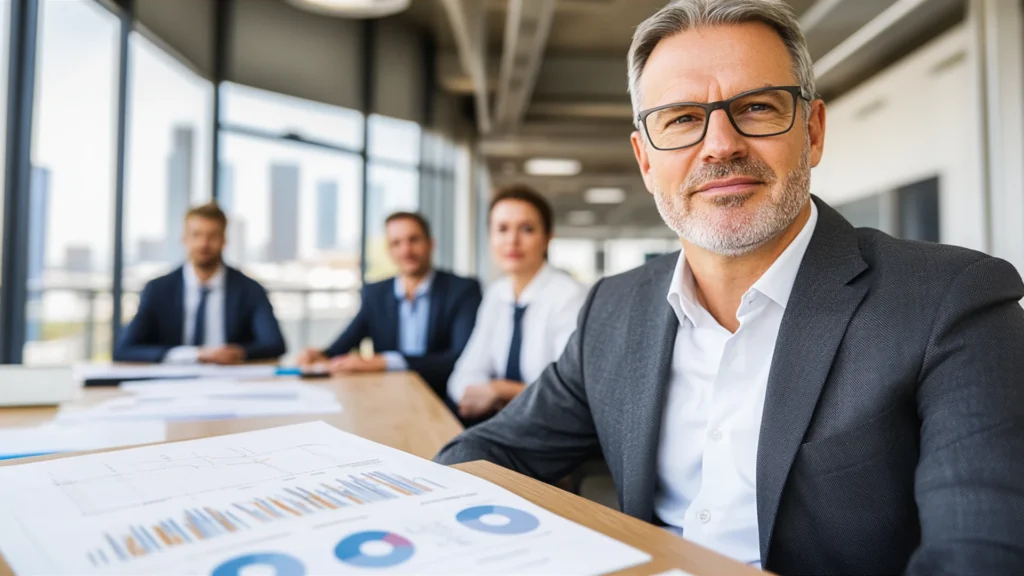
(790, 391)
(204, 311)
(419, 320)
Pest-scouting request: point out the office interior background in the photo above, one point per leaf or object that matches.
(309, 124)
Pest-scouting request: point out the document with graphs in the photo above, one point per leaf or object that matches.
(289, 501)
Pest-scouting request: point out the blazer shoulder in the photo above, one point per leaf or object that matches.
(895, 257)
(458, 283)
(245, 281)
(165, 282)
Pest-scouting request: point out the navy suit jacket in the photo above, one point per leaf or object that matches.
(453, 304)
(159, 324)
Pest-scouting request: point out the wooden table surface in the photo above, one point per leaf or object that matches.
(396, 409)
(399, 410)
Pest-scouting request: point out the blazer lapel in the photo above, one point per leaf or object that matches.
(820, 307)
(232, 302)
(391, 337)
(438, 292)
(177, 308)
(644, 377)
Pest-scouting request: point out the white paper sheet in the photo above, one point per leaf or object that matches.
(129, 372)
(291, 501)
(187, 407)
(216, 388)
(53, 438)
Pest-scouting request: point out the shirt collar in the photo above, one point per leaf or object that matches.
(215, 282)
(422, 289)
(776, 283)
(533, 291)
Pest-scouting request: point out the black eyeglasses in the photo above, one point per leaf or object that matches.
(757, 114)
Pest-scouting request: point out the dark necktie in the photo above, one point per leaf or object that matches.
(199, 334)
(515, 347)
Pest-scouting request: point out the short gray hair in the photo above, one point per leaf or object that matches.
(682, 15)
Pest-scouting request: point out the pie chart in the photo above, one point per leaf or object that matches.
(498, 520)
(279, 564)
(374, 549)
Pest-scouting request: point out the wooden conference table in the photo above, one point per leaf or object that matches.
(399, 410)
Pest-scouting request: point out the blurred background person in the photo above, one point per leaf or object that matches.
(419, 320)
(527, 316)
(204, 311)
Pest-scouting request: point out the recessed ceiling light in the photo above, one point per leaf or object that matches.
(553, 167)
(580, 217)
(604, 195)
(354, 8)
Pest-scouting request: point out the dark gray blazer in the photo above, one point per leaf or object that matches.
(893, 431)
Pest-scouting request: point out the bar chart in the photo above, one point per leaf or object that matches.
(197, 524)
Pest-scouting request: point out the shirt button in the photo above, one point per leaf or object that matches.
(717, 435)
(704, 517)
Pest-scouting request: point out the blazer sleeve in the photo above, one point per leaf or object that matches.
(545, 432)
(969, 483)
(139, 341)
(268, 342)
(357, 330)
(437, 367)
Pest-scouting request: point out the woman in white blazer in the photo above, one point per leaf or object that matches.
(526, 317)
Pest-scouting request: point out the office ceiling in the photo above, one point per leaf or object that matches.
(547, 78)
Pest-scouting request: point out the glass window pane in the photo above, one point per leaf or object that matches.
(282, 115)
(393, 139)
(578, 257)
(167, 164)
(294, 224)
(72, 184)
(391, 190)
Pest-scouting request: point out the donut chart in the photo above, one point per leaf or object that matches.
(498, 520)
(282, 564)
(393, 549)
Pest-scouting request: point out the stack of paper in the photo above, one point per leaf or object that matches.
(207, 400)
(115, 373)
(305, 499)
(53, 438)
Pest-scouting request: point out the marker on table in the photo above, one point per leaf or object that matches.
(296, 371)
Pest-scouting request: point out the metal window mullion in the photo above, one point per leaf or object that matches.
(17, 177)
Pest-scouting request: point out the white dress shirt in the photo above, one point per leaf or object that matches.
(215, 319)
(707, 456)
(552, 299)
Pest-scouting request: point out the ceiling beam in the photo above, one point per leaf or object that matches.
(873, 45)
(468, 19)
(533, 146)
(817, 13)
(527, 25)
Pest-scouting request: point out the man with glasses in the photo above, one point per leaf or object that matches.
(790, 391)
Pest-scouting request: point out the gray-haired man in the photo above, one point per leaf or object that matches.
(810, 398)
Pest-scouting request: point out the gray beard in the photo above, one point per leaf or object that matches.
(713, 230)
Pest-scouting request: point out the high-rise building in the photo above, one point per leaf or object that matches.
(284, 213)
(234, 253)
(226, 188)
(39, 193)
(78, 259)
(179, 189)
(327, 215)
(150, 250)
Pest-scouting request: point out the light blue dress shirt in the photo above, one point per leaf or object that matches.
(413, 323)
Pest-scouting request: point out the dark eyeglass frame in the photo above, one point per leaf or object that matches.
(723, 105)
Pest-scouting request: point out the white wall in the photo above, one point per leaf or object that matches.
(916, 119)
